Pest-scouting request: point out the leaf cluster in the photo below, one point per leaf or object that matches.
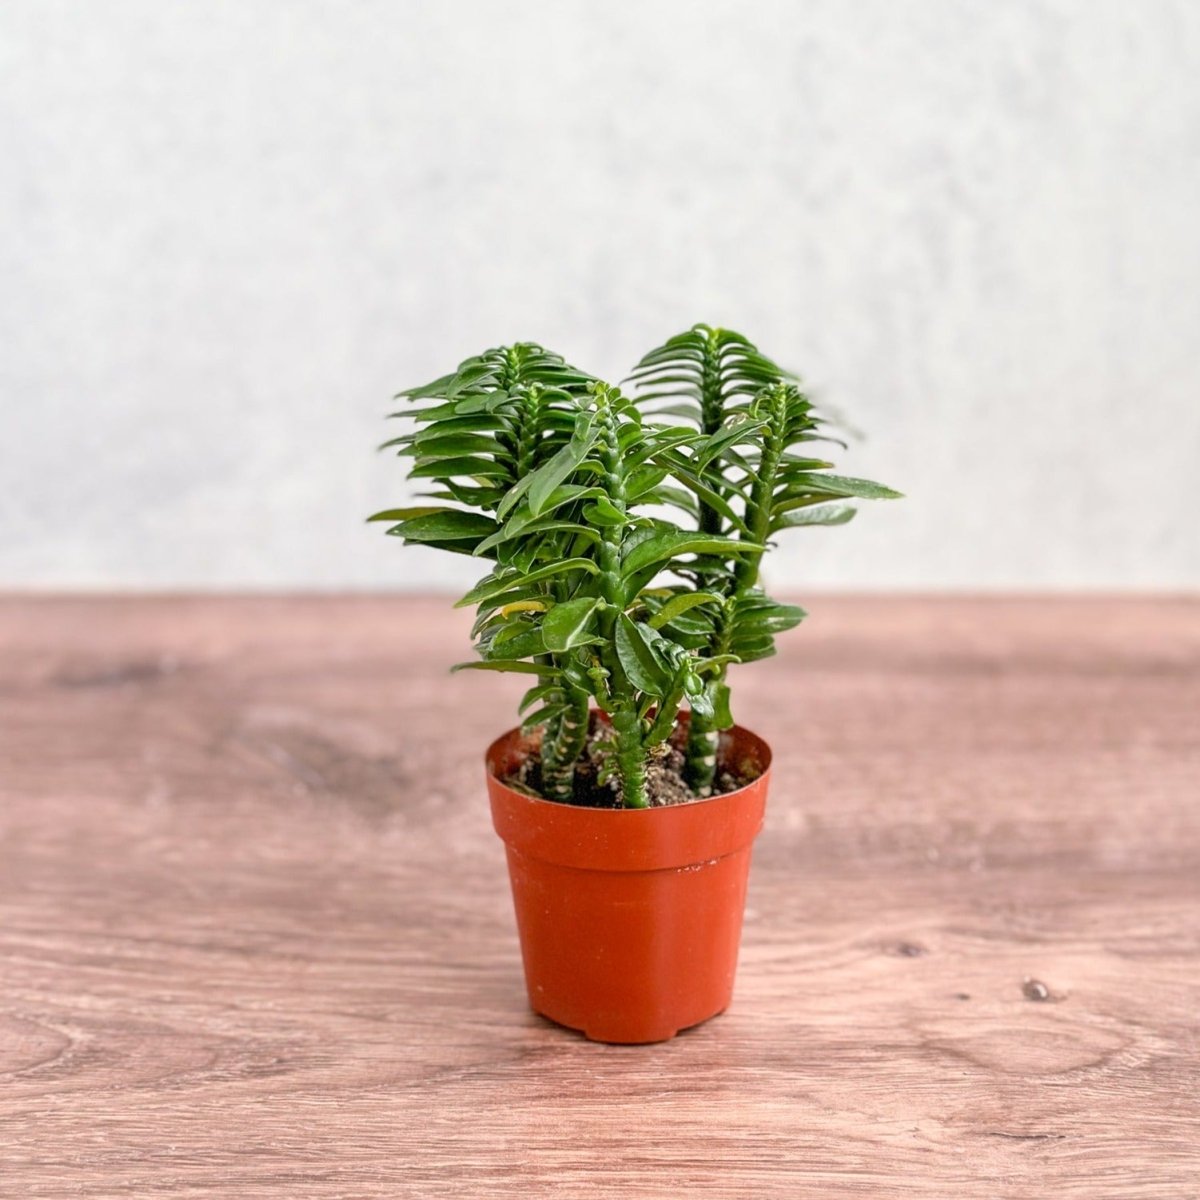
(566, 487)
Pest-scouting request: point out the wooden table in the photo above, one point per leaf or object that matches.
(255, 935)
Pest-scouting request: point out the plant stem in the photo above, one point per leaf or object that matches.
(565, 738)
(700, 754)
(563, 745)
(758, 510)
(712, 415)
(626, 722)
(704, 733)
(631, 758)
(700, 766)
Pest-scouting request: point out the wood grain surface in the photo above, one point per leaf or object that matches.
(256, 939)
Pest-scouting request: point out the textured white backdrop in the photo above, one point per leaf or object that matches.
(231, 230)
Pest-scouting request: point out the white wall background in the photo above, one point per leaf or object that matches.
(232, 230)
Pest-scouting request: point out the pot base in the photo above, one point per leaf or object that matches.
(644, 1037)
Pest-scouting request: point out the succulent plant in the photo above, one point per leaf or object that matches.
(567, 486)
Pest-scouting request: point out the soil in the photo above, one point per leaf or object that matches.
(665, 784)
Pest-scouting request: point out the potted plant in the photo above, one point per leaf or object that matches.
(624, 538)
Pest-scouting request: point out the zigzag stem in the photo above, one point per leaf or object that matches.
(626, 721)
(566, 736)
(762, 493)
(563, 746)
(712, 413)
(700, 754)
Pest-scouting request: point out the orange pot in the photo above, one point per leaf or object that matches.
(629, 919)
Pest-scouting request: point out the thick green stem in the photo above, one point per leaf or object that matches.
(631, 758)
(563, 745)
(700, 750)
(626, 721)
(700, 767)
(528, 434)
(758, 511)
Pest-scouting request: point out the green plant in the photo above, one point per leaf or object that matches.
(562, 482)
(750, 483)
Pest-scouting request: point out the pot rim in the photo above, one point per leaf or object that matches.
(761, 746)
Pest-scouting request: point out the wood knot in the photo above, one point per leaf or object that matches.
(1037, 991)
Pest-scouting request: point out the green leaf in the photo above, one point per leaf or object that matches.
(461, 546)
(481, 403)
(649, 442)
(643, 481)
(804, 464)
(825, 514)
(456, 423)
(435, 389)
(736, 431)
(680, 604)
(495, 585)
(537, 527)
(698, 695)
(540, 484)
(669, 545)
(569, 624)
(604, 513)
(759, 614)
(819, 483)
(470, 374)
(471, 495)
(444, 468)
(708, 665)
(538, 692)
(691, 631)
(520, 643)
(494, 604)
(751, 649)
(406, 514)
(516, 666)
(449, 445)
(639, 660)
(449, 525)
(493, 614)
(542, 716)
(523, 522)
(564, 494)
(683, 472)
(547, 477)
(679, 498)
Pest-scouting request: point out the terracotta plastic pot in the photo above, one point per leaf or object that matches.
(630, 919)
